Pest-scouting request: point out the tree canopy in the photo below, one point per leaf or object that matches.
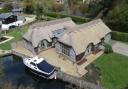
(117, 18)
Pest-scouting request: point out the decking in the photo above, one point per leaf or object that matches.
(65, 65)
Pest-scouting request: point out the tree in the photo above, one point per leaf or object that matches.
(117, 18)
(40, 8)
(28, 6)
(0, 35)
(39, 11)
(8, 7)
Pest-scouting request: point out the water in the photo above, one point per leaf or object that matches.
(14, 71)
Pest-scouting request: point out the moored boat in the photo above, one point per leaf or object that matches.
(40, 67)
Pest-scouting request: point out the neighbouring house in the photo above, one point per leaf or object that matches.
(72, 41)
(9, 20)
(88, 2)
(17, 11)
(59, 1)
(5, 15)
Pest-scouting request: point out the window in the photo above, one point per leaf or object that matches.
(65, 50)
(45, 44)
(32, 63)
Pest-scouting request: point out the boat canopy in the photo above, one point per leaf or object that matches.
(44, 66)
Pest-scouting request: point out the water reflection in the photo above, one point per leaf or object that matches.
(14, 71)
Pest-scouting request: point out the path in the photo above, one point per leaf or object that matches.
(119, 47)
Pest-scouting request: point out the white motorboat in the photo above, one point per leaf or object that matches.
(40, 67)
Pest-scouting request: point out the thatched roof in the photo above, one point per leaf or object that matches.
(43, 30)
(81, 36)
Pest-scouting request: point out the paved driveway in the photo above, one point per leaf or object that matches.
(120, 48)
(29, 18)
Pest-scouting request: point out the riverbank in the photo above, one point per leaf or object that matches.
(14, 73)
(5, 52)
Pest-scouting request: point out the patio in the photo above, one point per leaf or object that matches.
(62, 63)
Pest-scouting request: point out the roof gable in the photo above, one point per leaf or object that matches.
(81, 36)
(44, 30)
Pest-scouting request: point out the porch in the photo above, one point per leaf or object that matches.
(93, 50)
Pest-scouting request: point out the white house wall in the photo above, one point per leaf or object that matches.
(72, 53)
(88, 50)
(29, 47)
(107, 38)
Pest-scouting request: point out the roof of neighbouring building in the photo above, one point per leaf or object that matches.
(81, 36)
(17, 10)
(5, 15)
(45, 30)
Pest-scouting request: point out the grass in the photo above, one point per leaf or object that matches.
(114, 70)
(17, 34)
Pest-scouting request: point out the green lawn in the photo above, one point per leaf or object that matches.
(114, 70)
(17, 34)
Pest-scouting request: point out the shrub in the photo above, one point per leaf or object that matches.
(108, 48)
(74, 18)
(47, 18)
(120, 36)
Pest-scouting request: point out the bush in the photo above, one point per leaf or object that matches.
(47, 18)
(117, 16)
(120, 36)
(51, 14)
(74, 18)
(108, 48)
(28, 10)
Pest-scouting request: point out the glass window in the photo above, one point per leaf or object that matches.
(32, 63)
(42, 45)
(65, 50)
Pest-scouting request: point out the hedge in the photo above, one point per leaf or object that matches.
(74, 18)
(120, 36)
(47, 18)
(108, 48)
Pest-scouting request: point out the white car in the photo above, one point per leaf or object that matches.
(11, 25)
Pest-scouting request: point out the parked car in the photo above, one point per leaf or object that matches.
(10, 20)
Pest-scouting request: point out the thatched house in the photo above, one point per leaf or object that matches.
(43, 35)
(71, 40)
(83, 40)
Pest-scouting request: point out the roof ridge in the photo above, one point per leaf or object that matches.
(78, 28)
(47, 23)
(93, 22)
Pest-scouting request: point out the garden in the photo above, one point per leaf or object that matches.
(110, 71)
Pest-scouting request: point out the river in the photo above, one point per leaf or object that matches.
(15, 72)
